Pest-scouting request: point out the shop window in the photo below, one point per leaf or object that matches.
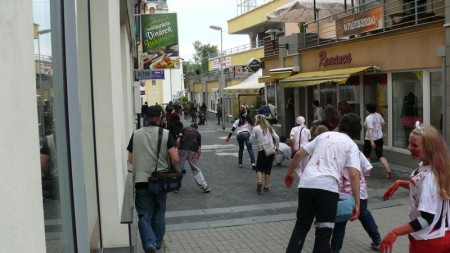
(328, 94)
(375, 91)
(349, 96)
(407, 105)
(436, 100)
(57, 203)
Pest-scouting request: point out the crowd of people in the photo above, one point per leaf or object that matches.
(332, 171)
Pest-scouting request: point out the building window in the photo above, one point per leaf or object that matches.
(407, 105)
(436, 100)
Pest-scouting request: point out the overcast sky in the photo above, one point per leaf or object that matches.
(194, 19)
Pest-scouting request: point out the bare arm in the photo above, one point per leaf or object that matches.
(388, 242)
(44, 164)
(355, 184)
(174, 158)
(297, 157)
(130, 157)
(394, 187)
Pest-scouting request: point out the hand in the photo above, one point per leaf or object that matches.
(288, 180)
(355, 213)
(391, 190)
(372, 144)
(227, 140)
(388, 242)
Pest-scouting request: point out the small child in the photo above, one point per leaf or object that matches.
(284, 151)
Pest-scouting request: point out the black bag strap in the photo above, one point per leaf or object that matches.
(160, 133)
(300, 138)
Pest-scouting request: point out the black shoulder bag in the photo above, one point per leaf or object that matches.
(166, 180)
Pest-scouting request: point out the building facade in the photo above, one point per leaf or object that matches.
(69, 113)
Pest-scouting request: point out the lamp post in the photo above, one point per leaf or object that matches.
(222, 78)
(273, 33)
(182, 79)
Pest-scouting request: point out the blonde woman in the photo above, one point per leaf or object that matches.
(263, 134)
(429, 194)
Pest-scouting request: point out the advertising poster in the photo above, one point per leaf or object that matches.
(160, 41)
(360, 22)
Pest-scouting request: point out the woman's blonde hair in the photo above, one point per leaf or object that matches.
(437, 153)
(263, 123)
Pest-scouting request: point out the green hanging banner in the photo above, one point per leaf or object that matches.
(160, 48)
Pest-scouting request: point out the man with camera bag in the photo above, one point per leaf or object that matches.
(142, 153)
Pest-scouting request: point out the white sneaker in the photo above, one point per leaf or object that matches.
(240, 165)
(205, 189)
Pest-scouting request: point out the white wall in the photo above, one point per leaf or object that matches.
(21, 209)
(111, 122)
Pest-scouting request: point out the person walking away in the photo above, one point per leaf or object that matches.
(429, 194)
(142, 154)
(264, 109)
(144, 109)
(331, 117)
(174, 125)
(365, 217)
(300, 136)
(374, 124)
(290, 113)
(219, 111)
(189, 146)
(243, 128)
(318, 111)
(318, 189)
(263, 134)
(283, 152)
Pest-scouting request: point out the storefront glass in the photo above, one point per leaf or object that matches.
(375, 91)
(349, 100)
(407, 105)
(436, 100)
(328, 94)
(57, 200)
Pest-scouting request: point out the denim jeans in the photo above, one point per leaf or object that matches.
(151, 209)
(312, 203)
(244, 137)
(367, 222)
(338, 236)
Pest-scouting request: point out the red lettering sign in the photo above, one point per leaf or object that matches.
(335, 60)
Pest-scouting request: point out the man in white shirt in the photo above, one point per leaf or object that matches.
(331, 153)
(318, 111)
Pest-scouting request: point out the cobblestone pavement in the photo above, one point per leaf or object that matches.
(234, 218)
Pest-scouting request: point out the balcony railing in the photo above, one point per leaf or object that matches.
(238, 49)
(394, 16)
(244, 6)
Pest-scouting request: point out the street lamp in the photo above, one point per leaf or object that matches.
(182, 79)
(222, 78)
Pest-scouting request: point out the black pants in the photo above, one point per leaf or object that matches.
(312, 203)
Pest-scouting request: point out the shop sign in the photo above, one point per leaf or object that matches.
(361, 22)
(226, 62)
(241, 71)
(334, 60)
(158, 75)
(160, 49)
(147, 74)
(254, 65)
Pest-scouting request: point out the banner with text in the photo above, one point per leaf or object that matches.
(360, 22)
(160, 48)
